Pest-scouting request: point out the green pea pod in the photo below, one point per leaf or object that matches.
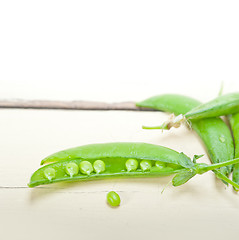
(88, 168)
(115, 168)
(234, 121)
(139, 151)
(172, 103)
(220, 106)
(214, 133)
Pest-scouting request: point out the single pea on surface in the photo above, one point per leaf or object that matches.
(113, 199)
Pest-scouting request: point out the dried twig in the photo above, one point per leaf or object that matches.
(71, 105)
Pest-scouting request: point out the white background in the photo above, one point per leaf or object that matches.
(111, 51)
(117, 50)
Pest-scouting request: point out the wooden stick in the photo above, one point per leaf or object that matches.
(71, 105)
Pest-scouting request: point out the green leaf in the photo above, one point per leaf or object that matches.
(183, 177)
(185, 161)
(196, 157)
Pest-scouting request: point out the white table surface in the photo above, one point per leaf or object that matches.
(72, 210)
(111, 51)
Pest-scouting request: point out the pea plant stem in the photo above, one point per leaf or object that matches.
(214, 167)
(219, 165)
(164, 127)
(226, 179)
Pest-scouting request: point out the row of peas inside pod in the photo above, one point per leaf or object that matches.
(86, 168)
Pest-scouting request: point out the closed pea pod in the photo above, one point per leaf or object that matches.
(214, 133)
(172, 103)
(220, 106)
(234, 121)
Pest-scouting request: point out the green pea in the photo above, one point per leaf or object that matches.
(72, 169)
(113, 199)
(99, 166)
(131, 164)
(86, 167)
(145, 165)
(50, 173)
(222, 139)
(160, 164)
(173, 166)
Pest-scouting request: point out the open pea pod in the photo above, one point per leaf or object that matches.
(97, 161)
(114, 168)
(141, 160)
